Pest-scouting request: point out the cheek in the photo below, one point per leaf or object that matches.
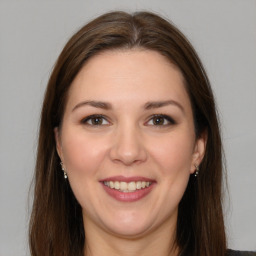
(173, 160)
(174, 154)
(82, 154)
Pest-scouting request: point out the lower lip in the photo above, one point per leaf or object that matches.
(128, 196)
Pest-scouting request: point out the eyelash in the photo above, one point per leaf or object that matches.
(167, 118)
(91, 117)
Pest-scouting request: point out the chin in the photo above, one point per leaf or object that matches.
(128, 226)
(130, 231)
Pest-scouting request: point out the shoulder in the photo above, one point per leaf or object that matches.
(240, 253)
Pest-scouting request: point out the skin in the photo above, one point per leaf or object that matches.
(129, 142)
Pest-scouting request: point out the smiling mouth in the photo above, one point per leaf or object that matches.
(127, 187)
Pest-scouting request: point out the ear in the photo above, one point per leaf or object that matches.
(58, 142)
(199, 151)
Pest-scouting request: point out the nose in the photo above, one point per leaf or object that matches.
(128, 146)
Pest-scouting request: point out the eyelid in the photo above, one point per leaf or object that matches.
(86, 119)
(169, 119)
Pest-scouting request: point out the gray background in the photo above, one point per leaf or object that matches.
(32, 34)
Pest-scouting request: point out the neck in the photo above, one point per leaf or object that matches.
(159, 242)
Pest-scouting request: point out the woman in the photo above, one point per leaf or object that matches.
(129, 155)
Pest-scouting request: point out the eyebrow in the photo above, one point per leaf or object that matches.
(159, 104)
(147, 106)
(96, 104)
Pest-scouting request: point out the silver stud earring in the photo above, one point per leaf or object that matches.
(197, 171)
(63, 169)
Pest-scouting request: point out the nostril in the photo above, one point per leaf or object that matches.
(128, 155)
(127, 145)
(126, 161)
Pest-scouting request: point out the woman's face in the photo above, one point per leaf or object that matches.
(127, 142)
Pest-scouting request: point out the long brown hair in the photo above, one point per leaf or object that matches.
(56, 225)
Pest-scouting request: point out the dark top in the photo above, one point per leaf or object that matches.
(240, 253)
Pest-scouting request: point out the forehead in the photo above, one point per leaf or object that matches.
(131, 75)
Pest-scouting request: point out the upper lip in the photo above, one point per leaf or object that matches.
(127, 179)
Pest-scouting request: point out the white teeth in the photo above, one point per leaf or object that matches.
(138, 185)
(127, 187)
(111, 184)
(123, 185)
(132, 186)
(117, 185)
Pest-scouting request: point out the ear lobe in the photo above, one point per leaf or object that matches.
(57, 141)
(199, 151)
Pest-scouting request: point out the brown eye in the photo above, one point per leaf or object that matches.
(95, 120)
(160, 120)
